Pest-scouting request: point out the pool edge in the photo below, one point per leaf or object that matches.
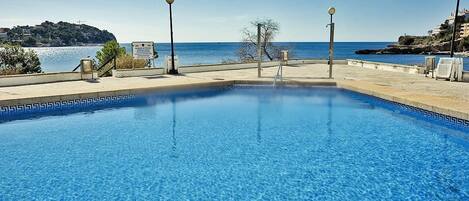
(25, 103)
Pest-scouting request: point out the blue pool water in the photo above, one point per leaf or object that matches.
(235, 143)
(65, 59)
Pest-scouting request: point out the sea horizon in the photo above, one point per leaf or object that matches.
(64, 59)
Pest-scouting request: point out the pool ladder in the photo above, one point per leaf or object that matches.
(279, 75)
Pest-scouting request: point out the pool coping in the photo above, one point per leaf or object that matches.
(386, 93)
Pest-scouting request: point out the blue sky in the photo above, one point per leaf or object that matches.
(222, 20)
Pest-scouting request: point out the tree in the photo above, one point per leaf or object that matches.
(29, 42)
(110, 50)
(248, 48)
(16, 60)
(464, 44)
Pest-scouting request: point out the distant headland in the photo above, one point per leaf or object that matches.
(437, 42)
(49, 34)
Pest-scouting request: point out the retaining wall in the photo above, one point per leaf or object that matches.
(385, 66)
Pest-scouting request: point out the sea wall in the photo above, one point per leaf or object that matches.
(210, 68)
(41, 78)
(465, 76)
(121, 73)
(385, 66)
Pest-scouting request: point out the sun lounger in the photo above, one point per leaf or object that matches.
(445, 68)
(459, 69)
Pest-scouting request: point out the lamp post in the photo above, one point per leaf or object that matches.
(173, 70)
(331, 12)
(455, 28)
(259, 50)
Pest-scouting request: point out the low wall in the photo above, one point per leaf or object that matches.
(224, 67)
(121, 73)
(465, 76)
(385, 66)
(40, 78)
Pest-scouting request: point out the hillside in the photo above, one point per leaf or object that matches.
(439, 43)
(57, 35)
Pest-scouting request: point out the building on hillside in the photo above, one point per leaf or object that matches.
(450, 19)
(464, 13)
(435, 31)
(464, 30)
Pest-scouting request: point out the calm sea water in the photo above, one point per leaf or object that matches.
(66, 58)
(241, 143)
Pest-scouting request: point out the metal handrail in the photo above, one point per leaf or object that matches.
(279, 74)
(76, 68)
(102, 66)
(106, 63)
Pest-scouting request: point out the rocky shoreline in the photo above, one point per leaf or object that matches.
(437, 49)
(420, 45)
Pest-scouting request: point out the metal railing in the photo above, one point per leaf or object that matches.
(279, 75)
(76, 68)
(105, 68)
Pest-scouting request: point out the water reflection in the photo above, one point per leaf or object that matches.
(329, 116)
(259, 121)
(173, 136)
(145, 113)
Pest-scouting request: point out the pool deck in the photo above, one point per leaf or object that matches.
(444, 97)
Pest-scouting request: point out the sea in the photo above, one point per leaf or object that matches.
(65, 59)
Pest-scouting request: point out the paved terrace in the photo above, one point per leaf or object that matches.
(449, 98)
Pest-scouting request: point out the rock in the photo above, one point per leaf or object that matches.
(367, 51)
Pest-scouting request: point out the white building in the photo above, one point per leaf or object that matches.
(435, 31)
(464, 12)
(464, 30)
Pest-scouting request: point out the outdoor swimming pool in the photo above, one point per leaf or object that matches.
(235, 143)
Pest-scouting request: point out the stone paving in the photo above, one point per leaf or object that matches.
(449, 98)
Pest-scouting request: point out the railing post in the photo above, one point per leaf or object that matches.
(259, 50)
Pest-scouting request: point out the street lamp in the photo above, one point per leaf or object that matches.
(173, 70)
(455, 28)
(331, 12)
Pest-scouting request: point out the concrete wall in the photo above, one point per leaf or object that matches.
(385, 66)
(121, 73)
(208, 68)
(16, 80)
(465, 76)
(223, 67)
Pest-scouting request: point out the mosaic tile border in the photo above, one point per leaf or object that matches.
(64, 105)
(87, 103)
(415, 111)
(388, 104)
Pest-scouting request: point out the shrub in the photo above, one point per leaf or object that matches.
(464, 44)
(16, 60)
(110, 49)
(125, 62)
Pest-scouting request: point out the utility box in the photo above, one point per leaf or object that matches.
(87, 67)
(430, 65)
(284, 55)
(168, 63)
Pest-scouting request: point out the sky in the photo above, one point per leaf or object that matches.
(223, 20)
